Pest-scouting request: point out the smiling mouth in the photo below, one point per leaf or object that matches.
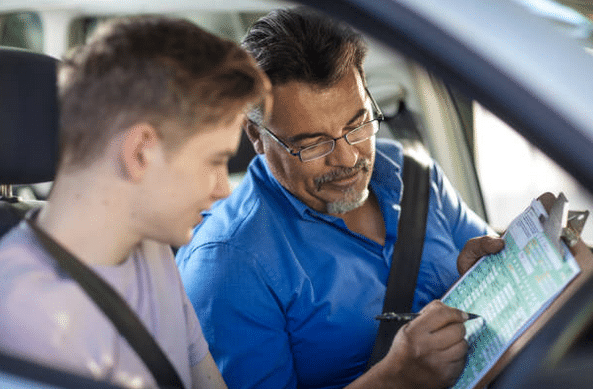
(346, 181)
(344, 177)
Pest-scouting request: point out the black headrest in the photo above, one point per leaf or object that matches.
(28, 117)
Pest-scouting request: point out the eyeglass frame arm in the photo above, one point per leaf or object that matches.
(380, 117)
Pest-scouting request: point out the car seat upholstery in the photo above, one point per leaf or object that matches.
(28, 128)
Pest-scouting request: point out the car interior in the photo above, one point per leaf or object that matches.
(28, 154)
(29, 151)
(28, 128)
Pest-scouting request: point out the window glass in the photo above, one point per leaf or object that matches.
(572, 17)
(22, 30)
(81, 28)
(512, 172)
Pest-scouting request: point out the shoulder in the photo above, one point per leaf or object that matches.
(25, 265)
(389, 159)
(244, 235)
(156, 266)
(252, 213)
(157, 257)
(392, 151)
(39, 307)
(390, 147)
(21, 255)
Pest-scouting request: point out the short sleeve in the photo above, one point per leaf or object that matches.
(197, 347)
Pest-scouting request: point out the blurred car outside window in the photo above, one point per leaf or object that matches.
(21, 30)
(511, 170)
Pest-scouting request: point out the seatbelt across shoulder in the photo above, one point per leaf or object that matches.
(115, 308)
(401, 283)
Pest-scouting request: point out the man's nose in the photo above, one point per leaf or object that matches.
(344, 154)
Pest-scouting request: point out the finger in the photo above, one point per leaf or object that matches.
(437, 315)
(448, 364)
(547, 199)
(475, 249)
(454, 353)
(452, 363)
(581, 252)
(447, 336)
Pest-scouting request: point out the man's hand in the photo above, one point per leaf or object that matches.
(475, 249)
(429, 351)
(580, 250)
(547, 199)
(478, 247)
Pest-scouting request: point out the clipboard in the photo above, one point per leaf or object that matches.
(573, 222)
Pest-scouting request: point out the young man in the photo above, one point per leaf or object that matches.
(151, 112)
(290, 270)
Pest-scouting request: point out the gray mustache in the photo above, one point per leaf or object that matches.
(338, 174)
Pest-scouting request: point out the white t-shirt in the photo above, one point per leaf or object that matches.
(46, 316)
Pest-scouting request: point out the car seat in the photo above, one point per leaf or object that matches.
(28, 154)
(28, 128)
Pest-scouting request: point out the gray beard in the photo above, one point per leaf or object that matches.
(351, 201)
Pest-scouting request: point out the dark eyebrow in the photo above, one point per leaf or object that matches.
(361, 112)
(297, 138)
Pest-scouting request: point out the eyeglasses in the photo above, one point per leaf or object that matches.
(357, 135)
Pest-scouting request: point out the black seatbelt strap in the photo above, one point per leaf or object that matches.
(399, 294)
(115, 308)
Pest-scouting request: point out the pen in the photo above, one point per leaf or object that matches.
(392, 316)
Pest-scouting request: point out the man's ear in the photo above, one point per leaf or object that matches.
(137, 150)
(254, 136)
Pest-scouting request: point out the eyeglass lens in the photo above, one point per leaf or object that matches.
(355, 136)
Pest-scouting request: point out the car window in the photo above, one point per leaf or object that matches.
(468, 145)
(512, 171)
(21, 30)
(495, 170)
(572, 19)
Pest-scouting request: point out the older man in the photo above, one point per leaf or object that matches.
(288, 273)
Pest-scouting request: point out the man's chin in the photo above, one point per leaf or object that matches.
(350, 202)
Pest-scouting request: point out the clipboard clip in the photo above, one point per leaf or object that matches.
(574, 227)
(574, 221)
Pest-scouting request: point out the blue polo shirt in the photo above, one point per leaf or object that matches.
(287, 296)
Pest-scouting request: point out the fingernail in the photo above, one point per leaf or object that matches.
(464, 315)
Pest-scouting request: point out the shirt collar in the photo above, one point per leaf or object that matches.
(385, 181)
(260, 166)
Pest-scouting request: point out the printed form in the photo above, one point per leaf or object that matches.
(509, 290)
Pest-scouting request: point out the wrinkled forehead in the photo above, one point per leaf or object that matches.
(297, 103)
